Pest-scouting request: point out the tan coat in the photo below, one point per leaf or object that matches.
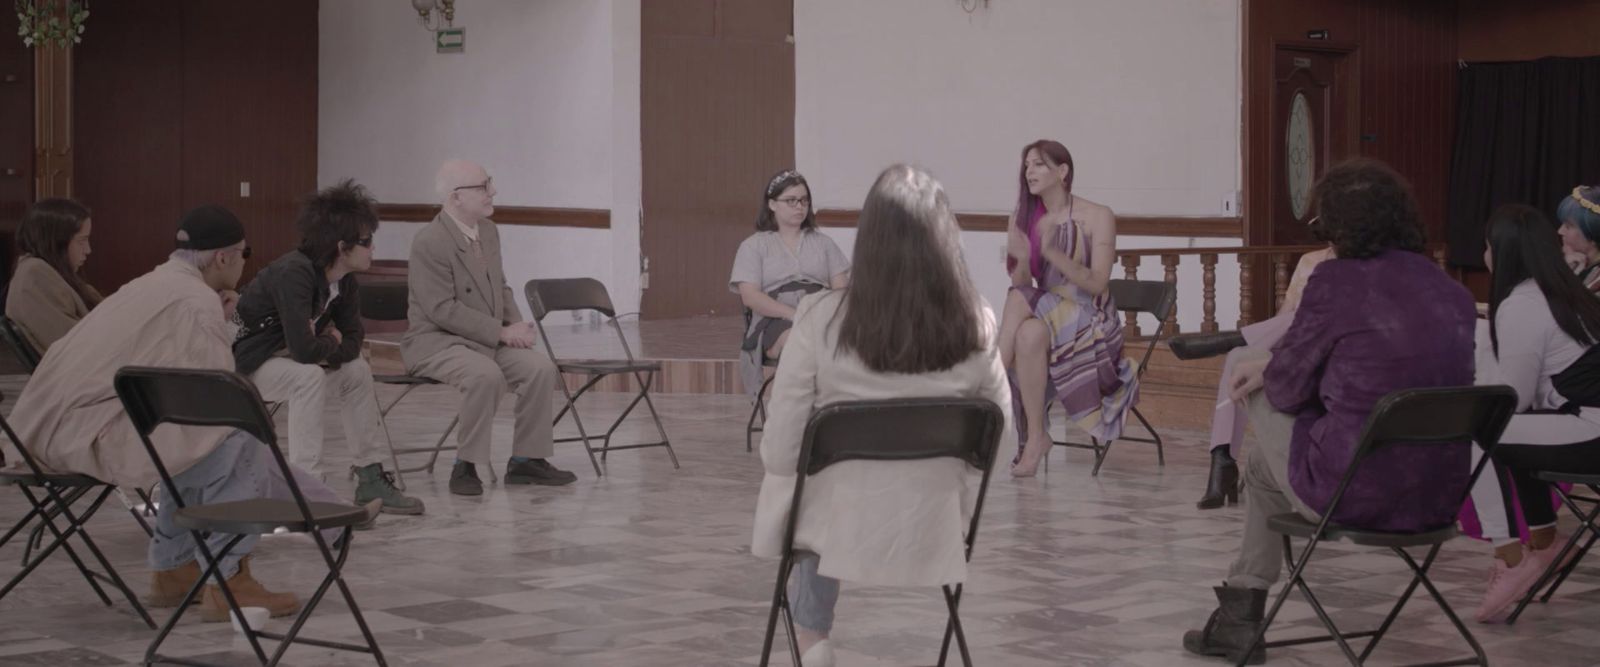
(69, 415)
(41, 302)
(455, 298)
(893, 523)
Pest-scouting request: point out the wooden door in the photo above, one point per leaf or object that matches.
(1312, 129)
(717, 120)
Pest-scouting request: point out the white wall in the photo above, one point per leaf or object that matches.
(1145, 93)
(542, 96)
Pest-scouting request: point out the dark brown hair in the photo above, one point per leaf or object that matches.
(910, 307)
(1029, 205)
(783, 180)
(1366, 208)
(1525, 247)
(46, 231)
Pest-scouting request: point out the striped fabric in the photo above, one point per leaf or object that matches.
(1088, 374)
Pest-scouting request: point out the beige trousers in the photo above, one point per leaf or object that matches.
(306, 389)
(483, 380)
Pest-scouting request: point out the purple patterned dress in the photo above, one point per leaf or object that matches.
(1088, 374)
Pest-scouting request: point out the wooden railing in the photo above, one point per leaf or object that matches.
(1280, 258)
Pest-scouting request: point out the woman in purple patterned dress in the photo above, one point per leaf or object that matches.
(1060, 337)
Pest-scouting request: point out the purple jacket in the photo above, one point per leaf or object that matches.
(1364, 329)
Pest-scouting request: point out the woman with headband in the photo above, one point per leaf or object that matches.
(787, 258)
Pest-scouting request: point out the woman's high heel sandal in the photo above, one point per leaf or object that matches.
(1223, 485)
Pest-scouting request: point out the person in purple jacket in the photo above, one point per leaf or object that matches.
(1380, 318)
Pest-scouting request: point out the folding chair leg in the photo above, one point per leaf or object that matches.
(952, 627)
(1438, 599)
(780, 601)
(1554, 575)
(1155, 437)
(335, 575)
(32, 561)
(1100, 452)
(750, 428)
(210, 570)
(583, 434)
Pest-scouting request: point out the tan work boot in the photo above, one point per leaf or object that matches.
(167, 587)
(249, 593)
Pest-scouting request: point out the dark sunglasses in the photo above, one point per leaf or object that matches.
(245, 253)
(365, 242)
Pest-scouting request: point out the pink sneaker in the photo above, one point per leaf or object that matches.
(1507, 585)
(1548, 554)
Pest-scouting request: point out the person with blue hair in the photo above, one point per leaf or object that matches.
(1579, 215)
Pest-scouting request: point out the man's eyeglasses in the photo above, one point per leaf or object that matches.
(796, 202)
(484, 186)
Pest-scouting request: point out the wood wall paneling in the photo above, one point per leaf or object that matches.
(1496, 30)
(16, 113)
(128, 133)
(531, 216)
(177, 103)
(1127, 225)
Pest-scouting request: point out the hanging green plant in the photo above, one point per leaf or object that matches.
(39, 24)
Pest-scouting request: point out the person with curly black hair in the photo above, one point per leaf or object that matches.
(300, 336)
(1378, 318)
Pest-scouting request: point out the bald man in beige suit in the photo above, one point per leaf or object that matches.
(465, 330)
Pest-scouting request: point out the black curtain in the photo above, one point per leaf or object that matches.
(1526, 133)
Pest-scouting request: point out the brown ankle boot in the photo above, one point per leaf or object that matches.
(249, 593)
(167, 587)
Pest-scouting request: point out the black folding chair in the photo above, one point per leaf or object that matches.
(751, 428)
(1156, 298)
(387, 302)
(578, 294)
(1556, 573)
(26, 355)
(906, 429)
(1418, 417)
(52, 496)
(155, 396)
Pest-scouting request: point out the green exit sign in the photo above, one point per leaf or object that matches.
(450, 40)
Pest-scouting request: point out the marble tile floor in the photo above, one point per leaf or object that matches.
(651, 566)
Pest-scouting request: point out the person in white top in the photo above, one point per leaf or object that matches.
(883, 336)
(1542, 324)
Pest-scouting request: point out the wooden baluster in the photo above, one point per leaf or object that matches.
(1208, 290)
(1280, 280)
(1171, 264)
(1245, 305)
(1438, 256)
(1130, 271)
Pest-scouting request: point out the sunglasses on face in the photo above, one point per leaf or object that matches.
(365, 241)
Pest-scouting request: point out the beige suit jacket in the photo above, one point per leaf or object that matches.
(455, 298)
(69, 415)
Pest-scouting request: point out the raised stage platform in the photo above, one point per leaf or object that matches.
(700, 356)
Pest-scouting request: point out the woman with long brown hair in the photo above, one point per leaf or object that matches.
(1061, 336)
(47, 296)
(909, 324)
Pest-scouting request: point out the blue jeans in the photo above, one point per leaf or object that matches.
(240, 468)
(811, 595)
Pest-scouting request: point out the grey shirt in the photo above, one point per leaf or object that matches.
(764, 261)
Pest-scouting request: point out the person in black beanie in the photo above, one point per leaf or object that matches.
(176, 316)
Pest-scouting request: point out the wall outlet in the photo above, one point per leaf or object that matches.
(244, 189)
(1230, 203)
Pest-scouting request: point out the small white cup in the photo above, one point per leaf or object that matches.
(255, 616)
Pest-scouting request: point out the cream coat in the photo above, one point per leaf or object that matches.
(871, 522)
(69, 415)
(42, 304)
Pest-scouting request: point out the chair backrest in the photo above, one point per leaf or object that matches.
(1436, 416)
(1155, 297)
(26, 355)
(197, 397)
(904, 429)
(554, 295)
(384, 302)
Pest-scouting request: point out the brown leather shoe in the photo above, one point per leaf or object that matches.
(167, 587)
(249, 593)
